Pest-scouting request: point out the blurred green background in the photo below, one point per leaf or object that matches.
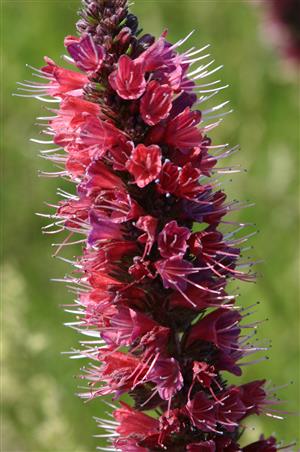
(41, 412)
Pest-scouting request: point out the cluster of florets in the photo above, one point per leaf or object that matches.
(151, 289)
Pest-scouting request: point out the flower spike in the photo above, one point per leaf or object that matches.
(151, 289)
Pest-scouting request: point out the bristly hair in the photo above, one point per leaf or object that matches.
(151, 284)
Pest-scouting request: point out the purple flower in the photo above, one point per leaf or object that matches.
(102, 229)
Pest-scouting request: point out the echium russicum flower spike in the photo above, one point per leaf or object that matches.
(130, 132)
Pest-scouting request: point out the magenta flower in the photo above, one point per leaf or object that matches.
(156, 103)
(61, 81)
(182, 132)
(134, 422)
(165, 374)
(129, 79)
(151, 293)
(144, 164)
(87, 55)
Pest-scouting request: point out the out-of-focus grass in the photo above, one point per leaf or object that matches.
(40, 411)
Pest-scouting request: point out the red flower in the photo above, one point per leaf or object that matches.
(156, 103)
(231, 409)
(99, 177)
(134, 423)
(124, 326)
(140, 269)
(183, 183)
(115, 204)
(99, 134)
(168, 179)
(201, 159)
(182, 132)
(144, 164)
(253, 396)
(172, 240)
(188, 183)
(74, 211)
(78, 159)
(204, 374)
(209, 247)
(120, 153)
(202, 412)
(63, 81)
(128, 80)
(207, 207)
(73, 112)
(120, 371)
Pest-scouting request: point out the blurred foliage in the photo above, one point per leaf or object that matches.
(40, 411)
